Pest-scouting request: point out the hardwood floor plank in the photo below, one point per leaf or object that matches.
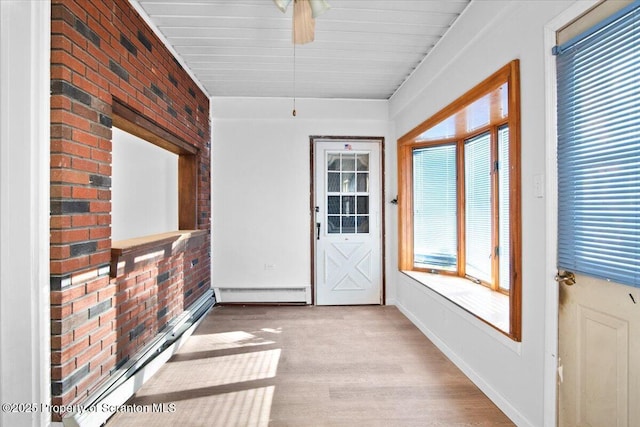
(311, 366)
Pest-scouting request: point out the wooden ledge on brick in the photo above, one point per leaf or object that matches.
(131, 254)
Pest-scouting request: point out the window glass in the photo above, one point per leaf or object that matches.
(363, 162)
(333, 182)
(333, 162)
(599, 151)
(347, 193)
(435, 208)
(478, 213)
(348, 162)
(503, 208)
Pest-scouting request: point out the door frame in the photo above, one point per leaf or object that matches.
(550, 383)
(312, 203)
(25, 332)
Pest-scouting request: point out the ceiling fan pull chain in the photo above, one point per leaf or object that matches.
(294, 74)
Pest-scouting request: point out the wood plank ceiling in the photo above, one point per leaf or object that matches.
(363, 49)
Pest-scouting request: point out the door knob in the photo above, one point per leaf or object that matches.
(566, 278)
(317, 210)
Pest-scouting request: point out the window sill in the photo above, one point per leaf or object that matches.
(131, 254)
(489, 306)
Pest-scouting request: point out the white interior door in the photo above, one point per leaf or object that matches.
(348, 260)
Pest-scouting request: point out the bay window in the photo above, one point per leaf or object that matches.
(459, 214)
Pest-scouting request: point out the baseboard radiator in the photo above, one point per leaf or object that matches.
(264, 295)
(127, 381)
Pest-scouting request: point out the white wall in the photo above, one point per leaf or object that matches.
(261, 194)
(144, 188)
(24, 209)
(487, 36)
(261, 183)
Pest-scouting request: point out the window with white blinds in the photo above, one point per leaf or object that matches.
(598, 77)
(478, 213)
(459, 219)
(435, 203)
(504, 208)
(484, 221)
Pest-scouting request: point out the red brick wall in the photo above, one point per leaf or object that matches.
(156, 291)
(101, 50)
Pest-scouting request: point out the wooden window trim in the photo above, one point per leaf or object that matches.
(509, 74)
(136, 124)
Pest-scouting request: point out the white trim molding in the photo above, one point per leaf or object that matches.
(551, 146)
(24, 210)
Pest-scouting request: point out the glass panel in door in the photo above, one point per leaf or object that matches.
(347, 193)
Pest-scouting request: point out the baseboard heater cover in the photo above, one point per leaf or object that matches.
(129, 379)
(292, 294)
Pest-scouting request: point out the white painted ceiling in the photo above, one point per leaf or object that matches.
(363, 48)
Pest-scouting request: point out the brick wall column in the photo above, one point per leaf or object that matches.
(102, 50)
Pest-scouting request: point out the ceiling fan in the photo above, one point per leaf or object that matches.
(304, 14)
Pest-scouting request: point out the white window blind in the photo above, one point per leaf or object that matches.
(504, 208)
(599, 150)
(435, 208)
(478, 213)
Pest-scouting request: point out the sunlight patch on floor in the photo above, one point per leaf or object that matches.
(272, 331)
(244, 408)
(217, 371)
(223, 341)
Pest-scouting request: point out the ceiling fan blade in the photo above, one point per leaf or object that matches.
(304, 26)
(282, 5)
(318, 7)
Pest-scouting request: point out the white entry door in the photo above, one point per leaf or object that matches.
(599, 219)
(599, 354)
(348, 255)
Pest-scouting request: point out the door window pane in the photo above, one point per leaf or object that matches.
(348, 192)
(363, 224)
(349, 162)
(333, 182)
(333, 224)
(349, 182)
(333, 205)
(363, 162)
(363, 204)
(348, 224)
(599, 152)
(333, 162)
(363, 183)
(348, 205)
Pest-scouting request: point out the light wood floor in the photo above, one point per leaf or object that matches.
(310, 366)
